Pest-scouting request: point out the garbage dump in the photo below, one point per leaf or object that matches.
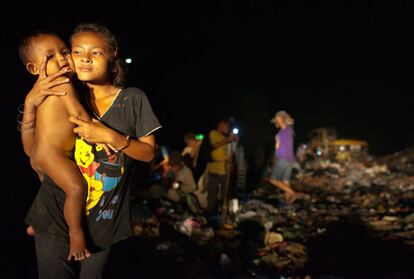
(357, 221)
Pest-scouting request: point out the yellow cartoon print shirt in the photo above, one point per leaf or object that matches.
(102, 173)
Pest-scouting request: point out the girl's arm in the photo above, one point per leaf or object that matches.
(39, 92)
(142, 149)
(196, 153)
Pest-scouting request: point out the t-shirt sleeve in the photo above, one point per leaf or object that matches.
(146, 122)
(288, 135)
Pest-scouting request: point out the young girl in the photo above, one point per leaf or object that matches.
(126, 123)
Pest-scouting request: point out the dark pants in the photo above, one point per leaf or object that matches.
(52, 261)
(215, 183)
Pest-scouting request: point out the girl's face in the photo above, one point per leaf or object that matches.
(92, 58)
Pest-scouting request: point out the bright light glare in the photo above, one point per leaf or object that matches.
(128, 60)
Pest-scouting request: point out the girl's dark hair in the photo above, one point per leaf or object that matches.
(118, 66)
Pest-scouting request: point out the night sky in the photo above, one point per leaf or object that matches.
(336, 64)
(343, 64)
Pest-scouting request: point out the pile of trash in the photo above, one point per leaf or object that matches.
(402, 161)
(366, 201)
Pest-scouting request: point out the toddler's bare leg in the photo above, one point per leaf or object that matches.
(66, 175)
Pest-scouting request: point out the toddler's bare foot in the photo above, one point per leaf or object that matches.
(30, 231)
(78, 249)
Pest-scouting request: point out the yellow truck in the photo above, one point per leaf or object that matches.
(324, 143)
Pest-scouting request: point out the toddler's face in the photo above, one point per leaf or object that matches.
(55, 50)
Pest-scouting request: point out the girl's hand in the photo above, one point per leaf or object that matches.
(42, 88)
(232, 138)
(92, 131)
(105, 147)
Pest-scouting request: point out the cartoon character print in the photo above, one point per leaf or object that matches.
(83, 153)
(102, 173)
